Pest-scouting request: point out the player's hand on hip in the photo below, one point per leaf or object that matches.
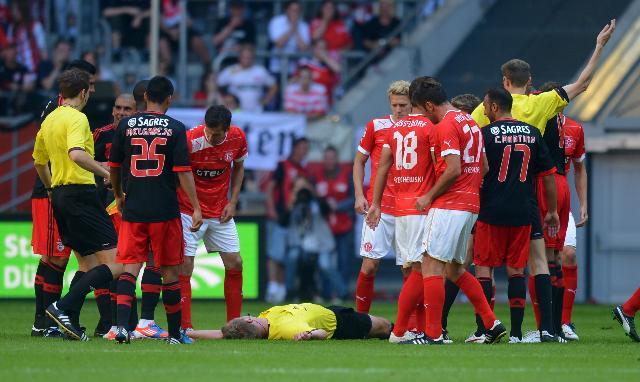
(196, 221)
(584, 217)
(373, 217)
(552, 223)
(361, 205)
(605, 33)
(423, 203)
(228, 212)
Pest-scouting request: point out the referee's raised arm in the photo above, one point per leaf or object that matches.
(65, 141)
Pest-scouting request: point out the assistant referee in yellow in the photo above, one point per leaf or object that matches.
(65, 141)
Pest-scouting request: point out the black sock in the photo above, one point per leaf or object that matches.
(126, 293)
(517, 293)
(113, 297)
(74, 315)
(37, 287)
(487, 288)
(73, 301)
(558, 302)
(151, 287)
(543, 294)
(103, 301)
(171, 300)
(451, 291)
(133, 314)
(52, 286)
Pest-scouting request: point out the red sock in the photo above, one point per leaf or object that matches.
(421, 316)
(492, 303)
(364, 292)
(473, 290)
(570, 273)
(433, 304)
(233, 293)
(632, 305)
(534, 299)
(185, 291)
(410, 296)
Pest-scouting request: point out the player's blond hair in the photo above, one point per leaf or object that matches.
(400, 88)
(239, 329)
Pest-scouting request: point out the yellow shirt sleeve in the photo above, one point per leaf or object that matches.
(40, 155)
(77, 132)
(551, 103)
(479, 117)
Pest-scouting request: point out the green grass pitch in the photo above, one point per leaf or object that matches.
(603, 353)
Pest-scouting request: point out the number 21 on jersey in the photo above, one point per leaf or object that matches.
(406, 154)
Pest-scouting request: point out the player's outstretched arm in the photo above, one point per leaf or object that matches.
(188, 185)
(361, 204)
(580, 177)
(583, 81)
(237, 176)
(448, 177)
(551, 220)
(206, 334)
(373, 215)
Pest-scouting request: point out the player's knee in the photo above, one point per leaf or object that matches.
(170, 274)
(569, 255)
(186, 269)
(232, 261)
(369, 266)
(60, 262)
(514, 271)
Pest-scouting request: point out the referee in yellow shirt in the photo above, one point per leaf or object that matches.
(65, 141)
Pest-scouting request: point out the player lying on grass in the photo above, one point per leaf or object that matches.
(301, 322)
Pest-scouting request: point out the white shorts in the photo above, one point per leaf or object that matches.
(376, 244)
(446, 234)
(409, 233)
(570, 239)
(217, 237)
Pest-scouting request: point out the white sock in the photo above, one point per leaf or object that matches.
(144, 323)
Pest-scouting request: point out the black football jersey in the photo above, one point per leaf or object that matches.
(516, 154)
(554, 138)
(102, 139)
(150, 147)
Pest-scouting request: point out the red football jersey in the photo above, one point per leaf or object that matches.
(573, 142)
(211, 166)
(371, 144)
(412, 173)
(458, 134)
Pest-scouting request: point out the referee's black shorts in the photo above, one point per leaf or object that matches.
(83, 223)
(350, 325)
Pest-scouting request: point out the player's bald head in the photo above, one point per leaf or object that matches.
(126, 98)
(124, 106)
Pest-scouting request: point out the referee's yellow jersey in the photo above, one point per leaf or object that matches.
(534, 109)
(286, 321)
(65, 128)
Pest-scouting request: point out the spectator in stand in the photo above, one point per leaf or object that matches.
(306, 97)
(170, 35)
(358, 17)
(208, 94)
(324, 69)
(248, 80)
(234, 30)
(378, 30)
(66, 18)
(289, 34)
(231, 102)
(49, 70)
(28, 35)
(129, 20)
(334, 183)
(280, 199)
(328, 26)
(15, 78)
(102, 73)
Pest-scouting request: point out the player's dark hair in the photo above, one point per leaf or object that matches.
(549, 85)
(298, 141)
(466, 102)
(516, 71)
(82, 65)
(72, 82)
(426, 89)
(331, 148)
(138, 93)
(218, 116)
(239, 329)
(289, 3)
(500, 97)
(159, 89)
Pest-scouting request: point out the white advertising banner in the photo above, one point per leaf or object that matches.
(269, 135)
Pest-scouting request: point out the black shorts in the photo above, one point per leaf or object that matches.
(83, 223)
(350, 325)
(536, 222)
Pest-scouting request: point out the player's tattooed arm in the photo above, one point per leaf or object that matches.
(583, 81)
(361, 205)
(386, 160)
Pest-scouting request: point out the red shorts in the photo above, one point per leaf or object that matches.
(44, 235)
(116, 219)
(496, 245)
(164, 238)
(564, 207)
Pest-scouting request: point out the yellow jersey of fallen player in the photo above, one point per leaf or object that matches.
(286, 321)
